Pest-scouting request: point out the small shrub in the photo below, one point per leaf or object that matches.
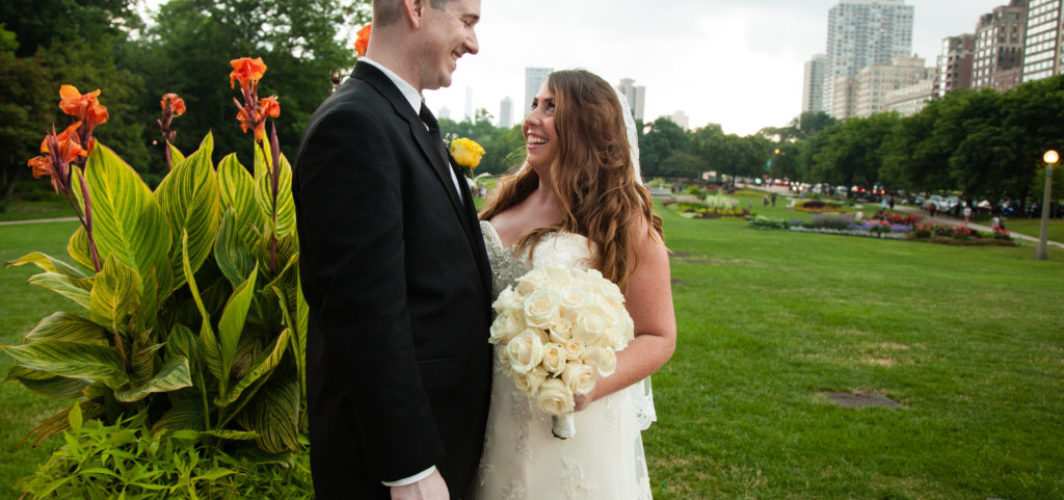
(762, 222)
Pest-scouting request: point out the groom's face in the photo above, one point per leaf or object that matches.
(449, 35)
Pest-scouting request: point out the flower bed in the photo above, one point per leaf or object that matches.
(816, 206)
(961, 235)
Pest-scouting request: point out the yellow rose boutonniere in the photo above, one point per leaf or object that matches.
(466, 152)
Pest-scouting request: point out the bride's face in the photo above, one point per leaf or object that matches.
(540, 136)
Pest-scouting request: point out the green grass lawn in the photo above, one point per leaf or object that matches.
(36, 210)
(21, 307)
(1033, 228)
(970, 340)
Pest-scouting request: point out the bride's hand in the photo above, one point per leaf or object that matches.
(580, 401)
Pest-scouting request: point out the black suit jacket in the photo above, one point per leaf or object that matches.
(394, 270)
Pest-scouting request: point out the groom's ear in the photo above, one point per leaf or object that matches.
(415, 11)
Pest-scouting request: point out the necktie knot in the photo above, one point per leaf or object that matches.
(430, 121)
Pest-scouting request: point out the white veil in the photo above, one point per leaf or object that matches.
(641, 392)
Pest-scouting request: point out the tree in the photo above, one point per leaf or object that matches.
(24, 103)
(663, 139)
(682, 165)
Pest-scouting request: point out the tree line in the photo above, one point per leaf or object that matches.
(982, 144)
(185, 48)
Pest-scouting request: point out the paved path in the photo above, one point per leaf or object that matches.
(38, 221)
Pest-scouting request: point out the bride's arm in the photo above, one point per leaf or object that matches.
(649, 301)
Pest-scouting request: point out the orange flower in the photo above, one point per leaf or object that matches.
(83, 106)
(269, 106)
(173, 103)
(247, 71)
(41, 165)
(63, 137)
(362, 40)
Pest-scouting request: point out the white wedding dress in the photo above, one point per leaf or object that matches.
(522, 459)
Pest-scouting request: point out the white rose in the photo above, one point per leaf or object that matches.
(505, 327)
(579, 378)
(508, 300)
(561, 330)
(573, 299)
(541, 308)
(627, 329)
(531, 281)
(554, 358)
(529, 383)
(593, 274)
(591, 329)
(525, 351)
(602, 359)
(599, 305)
(574, 351)
(555, 397)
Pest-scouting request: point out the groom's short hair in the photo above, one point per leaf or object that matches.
(386, 12)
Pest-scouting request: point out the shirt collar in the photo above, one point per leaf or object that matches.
(409, 92)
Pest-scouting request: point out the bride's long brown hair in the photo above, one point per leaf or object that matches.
(592, 176)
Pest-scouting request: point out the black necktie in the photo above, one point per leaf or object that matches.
(437, 140)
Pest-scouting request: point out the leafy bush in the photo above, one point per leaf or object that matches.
(762, 222)
(128, 460)
(191, 307)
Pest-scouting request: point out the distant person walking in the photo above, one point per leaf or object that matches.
(967, 213)
(932, 208)
(773, 200)
(891, 203)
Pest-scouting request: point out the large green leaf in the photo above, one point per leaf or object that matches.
(189, 198)
(274, 412)
(127, 220)
(60, 421)
(47, 384)
(185, 413)
(175, 155)
(231, 325)
(283, 209)
(262, 367)
(230, 252)
(71, 359)
(63, 285)
(78, 248)
(173, 375)
(68, 327)
(299, 339)
(237, 189)
(52, 265)
(208, 342)
(115, 295)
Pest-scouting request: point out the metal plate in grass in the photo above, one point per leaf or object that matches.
(861, 399)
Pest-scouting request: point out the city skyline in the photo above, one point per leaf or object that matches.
(737, 64)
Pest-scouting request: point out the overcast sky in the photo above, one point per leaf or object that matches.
(738, 63)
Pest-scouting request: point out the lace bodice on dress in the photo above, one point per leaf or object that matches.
(521, 459)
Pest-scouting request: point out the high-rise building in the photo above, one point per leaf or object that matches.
(534, 79)
(813, 84)
(999, 38)
(844, 101)
(636, 96)
(863, 33)
(954, 68)
(506, 109)
(469, 104)
(1043, 50)
(874, 82)
(680, 118)
(910, 99)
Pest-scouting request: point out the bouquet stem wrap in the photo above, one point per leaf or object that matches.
(564, 427)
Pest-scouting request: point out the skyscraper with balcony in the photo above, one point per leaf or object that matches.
(999, 41)
(1043, 51)
(954, 68)
(864, 33)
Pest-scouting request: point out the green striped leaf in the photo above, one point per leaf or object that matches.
(237, 189)
(60, 422)
(299, 339)
(189, 198)
(47, 384)
(71, 359)
(274, 413)
(50, 264)
(68, 327)
(78, 248)
(186, 413)
(231, 325)
(63, 285)
(173, 375)
(230, 252)
(231, 435)
(127, 220)
(115, 295)
(262, 368)
(175, 155)
(283, 209)
(208, 343)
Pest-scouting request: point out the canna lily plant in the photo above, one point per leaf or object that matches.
(187, 298)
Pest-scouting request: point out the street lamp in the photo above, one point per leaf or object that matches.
(1050, 158)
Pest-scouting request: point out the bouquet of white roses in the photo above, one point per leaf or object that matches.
(559, 331)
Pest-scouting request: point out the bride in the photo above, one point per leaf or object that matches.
(578, 202)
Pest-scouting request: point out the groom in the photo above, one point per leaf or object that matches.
(394, 271)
